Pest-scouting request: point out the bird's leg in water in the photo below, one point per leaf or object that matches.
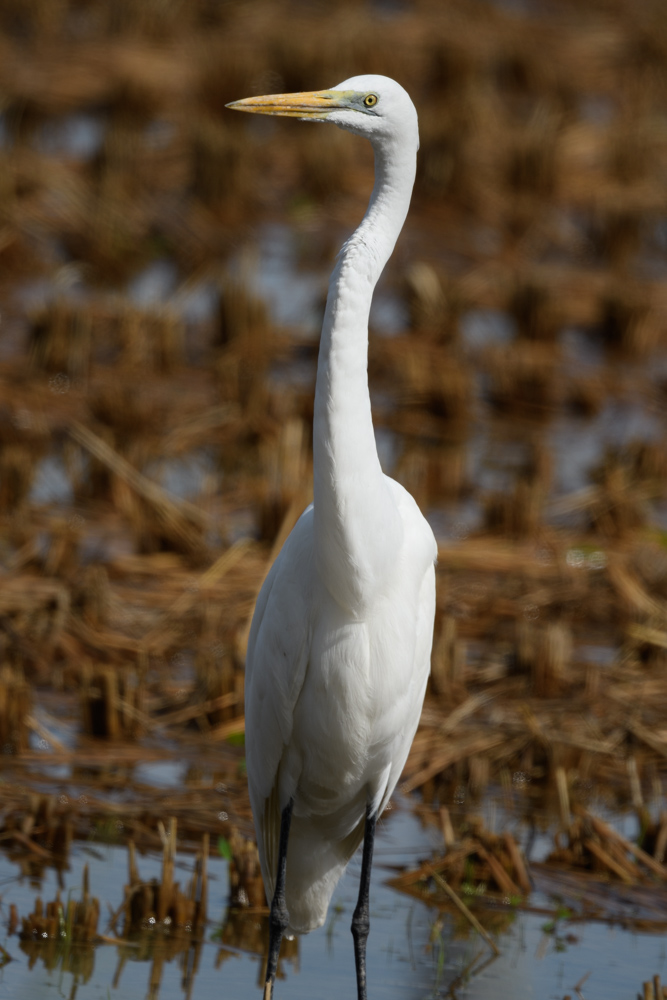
(278, 917)
(361, 920)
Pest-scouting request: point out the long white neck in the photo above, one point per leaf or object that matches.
(357, 527)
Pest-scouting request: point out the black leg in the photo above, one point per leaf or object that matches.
(361, 921)
(278, 917)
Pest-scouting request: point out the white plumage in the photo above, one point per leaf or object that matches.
(339, 648)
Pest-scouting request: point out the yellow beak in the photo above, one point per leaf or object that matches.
(311, 104)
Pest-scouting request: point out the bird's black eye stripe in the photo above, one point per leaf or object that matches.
(370, 100)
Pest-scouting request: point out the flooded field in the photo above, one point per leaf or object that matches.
(163, 269)
(546, 947)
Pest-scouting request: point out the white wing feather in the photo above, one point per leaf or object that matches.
(332, 705)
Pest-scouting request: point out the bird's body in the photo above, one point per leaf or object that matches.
(339, 713)
(339, 648)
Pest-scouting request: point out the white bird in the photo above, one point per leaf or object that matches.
(340, 644)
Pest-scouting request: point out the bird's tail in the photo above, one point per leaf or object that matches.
(315, 864)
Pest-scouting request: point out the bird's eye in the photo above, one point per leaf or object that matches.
(370, 100)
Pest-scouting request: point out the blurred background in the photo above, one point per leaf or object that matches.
(163, 271)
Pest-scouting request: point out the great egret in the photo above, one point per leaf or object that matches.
(340, 643)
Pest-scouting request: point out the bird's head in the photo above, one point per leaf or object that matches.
(373, 106)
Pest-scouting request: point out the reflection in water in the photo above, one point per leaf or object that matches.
(62, 956)
(248, 932)
(242, 932)
(159, 949)
(415, 950)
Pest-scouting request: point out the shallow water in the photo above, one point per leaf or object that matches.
(412, 953)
